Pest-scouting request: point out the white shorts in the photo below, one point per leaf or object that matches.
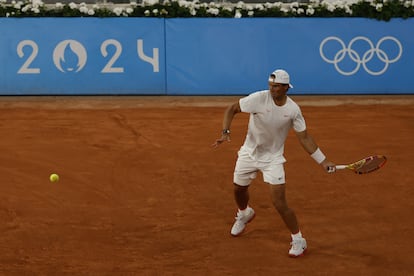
(246, 170)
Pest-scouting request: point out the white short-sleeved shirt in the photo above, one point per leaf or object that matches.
(269, 125)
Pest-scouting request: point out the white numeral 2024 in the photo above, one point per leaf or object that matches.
(108, 68)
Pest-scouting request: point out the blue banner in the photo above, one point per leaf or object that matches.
(323, 56)
(204, 56)
(82, 56)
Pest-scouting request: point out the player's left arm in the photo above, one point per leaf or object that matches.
(310, 146)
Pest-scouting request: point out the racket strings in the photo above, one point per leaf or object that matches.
(370, 164)
(358, 165)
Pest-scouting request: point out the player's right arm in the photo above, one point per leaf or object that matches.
(229, 114)
(310, 146)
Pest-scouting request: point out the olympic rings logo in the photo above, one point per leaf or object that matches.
(367, 56)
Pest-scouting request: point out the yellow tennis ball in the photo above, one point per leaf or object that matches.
(54, 177)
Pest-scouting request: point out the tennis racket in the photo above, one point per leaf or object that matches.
(366, 165)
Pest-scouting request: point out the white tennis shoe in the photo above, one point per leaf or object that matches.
(241, 221)
(298, 247)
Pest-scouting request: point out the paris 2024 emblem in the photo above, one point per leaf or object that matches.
(69, 56)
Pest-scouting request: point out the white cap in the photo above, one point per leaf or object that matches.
(280, 76)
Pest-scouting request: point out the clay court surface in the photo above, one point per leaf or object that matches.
(143, 193)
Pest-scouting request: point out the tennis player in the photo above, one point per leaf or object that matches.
(272, 115)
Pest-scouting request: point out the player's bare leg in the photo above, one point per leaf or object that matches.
(245, 214)
(298, 243)
(278, 195)
(241, 195)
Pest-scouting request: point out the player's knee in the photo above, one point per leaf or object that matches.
(240, 189)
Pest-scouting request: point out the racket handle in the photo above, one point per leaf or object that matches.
(340, 167)
(331, 169)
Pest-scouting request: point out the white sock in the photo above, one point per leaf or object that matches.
(243, 212)
(297, 236)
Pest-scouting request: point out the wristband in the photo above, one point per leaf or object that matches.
(226, 131)
(318, 156)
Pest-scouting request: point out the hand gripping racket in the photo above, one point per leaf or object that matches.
(366, 165)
